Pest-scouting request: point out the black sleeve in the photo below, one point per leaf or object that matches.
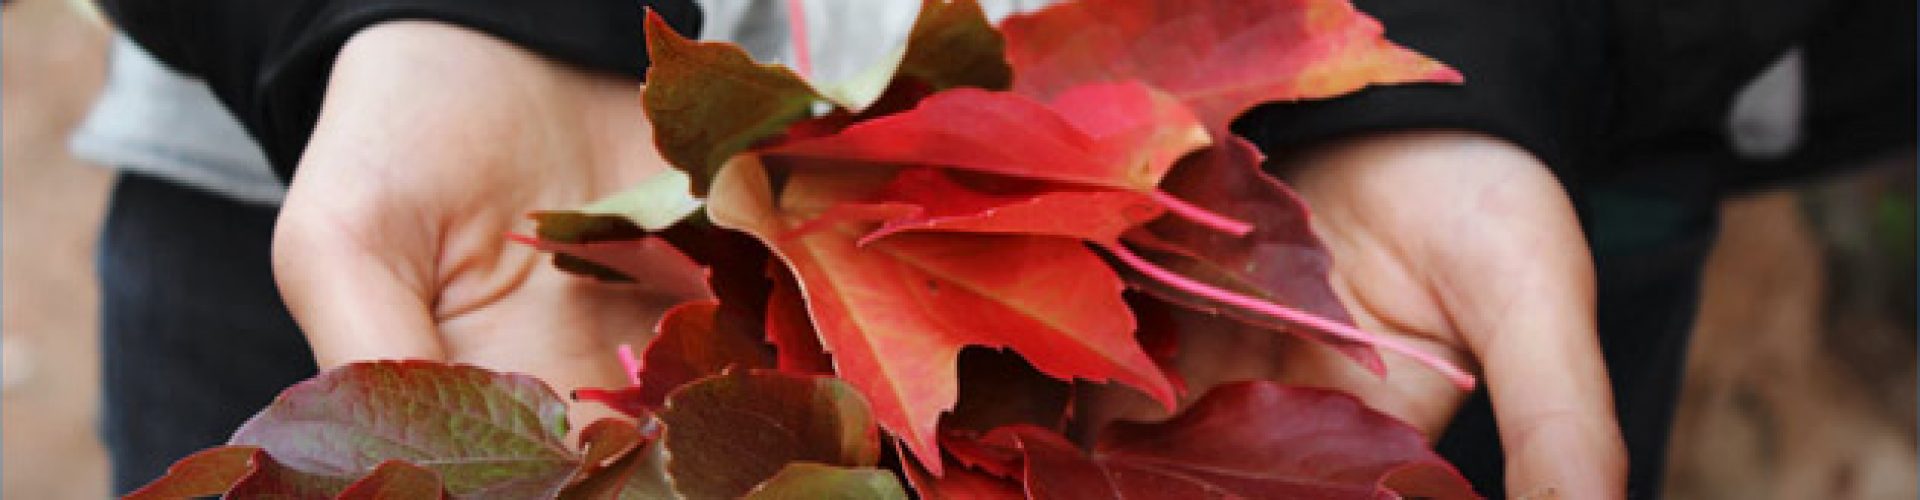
(1535, 75)
(269, 60)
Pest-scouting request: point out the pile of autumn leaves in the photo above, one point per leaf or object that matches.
(998, 188)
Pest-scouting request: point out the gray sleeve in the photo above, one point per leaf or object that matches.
(152, 120)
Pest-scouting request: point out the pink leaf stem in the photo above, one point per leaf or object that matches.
(797, 27)
(1460, 378)
(629, 362)
(1201, 216)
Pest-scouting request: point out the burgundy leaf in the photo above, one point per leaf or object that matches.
(811, 481)
(395, 480)
(630, 401)
(1281, 262)
(271, 479)
(958, 483)
(689, 345)
(208, 472)
(653, 265)
(727, 433)
(999, 388)
(1245, 440)
(484, 433)
(620, 458)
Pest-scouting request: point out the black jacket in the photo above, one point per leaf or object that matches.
(1589, 86)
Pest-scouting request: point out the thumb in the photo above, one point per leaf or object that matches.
(1519, 287)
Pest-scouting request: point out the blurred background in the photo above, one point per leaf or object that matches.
(1801, 382)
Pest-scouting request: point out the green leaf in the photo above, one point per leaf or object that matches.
(954, 45)
(661, 200)
(727, 433)
(710, 100)
(484, 433)
(610, 239)
(811, 481)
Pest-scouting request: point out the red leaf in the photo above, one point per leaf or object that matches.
(1248, 440)
(1120, 135)
(689, 347)
(395, 480)
(1282, 261)
(208, 472)
(791, 331)
(959, 483)
(1016, 207)
(997, 460)
(1220, 58)
(895, 313)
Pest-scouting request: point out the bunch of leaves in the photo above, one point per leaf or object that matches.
(982, 195)
(414, 429)
(937, 252)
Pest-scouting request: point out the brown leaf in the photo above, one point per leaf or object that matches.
(727, 433)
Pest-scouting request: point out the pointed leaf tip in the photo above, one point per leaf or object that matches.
(710, 100)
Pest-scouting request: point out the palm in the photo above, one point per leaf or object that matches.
(435, 143)
(1465, 247)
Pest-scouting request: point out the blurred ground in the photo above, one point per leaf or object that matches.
(1802, 382)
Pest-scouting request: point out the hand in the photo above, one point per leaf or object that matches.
(1468, 244)
(1464, 246)
(434, 143)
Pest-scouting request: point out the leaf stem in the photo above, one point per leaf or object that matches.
(1460, 378)
(629, 362)
(1201, 216)
(797, 27)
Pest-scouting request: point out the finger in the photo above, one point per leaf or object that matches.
(1522, 296)
(1467, 240)
(351, 303)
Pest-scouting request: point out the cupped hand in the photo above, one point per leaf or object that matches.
(1469, 245)
(1464, 246)
(433, 144)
